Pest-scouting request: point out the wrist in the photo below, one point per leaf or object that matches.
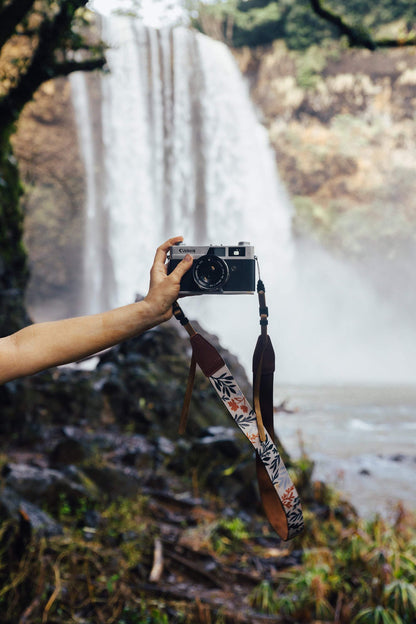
(155, 313)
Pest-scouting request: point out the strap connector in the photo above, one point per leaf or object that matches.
(260, 286)
(178, 313)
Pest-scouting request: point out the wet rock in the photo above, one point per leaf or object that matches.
(165, 446)
(42, 484)
(219, 441)
(225, 464)
(232, 361)
(69, 451)
(135, 451)
(148, 381)
(398, 458)
(92, 518)
(115, 481)
(14, 507)
(138, 386)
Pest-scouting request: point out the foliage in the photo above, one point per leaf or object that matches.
(377, 615)
(374, 13)
(259, 22)
(80, 567)
(353, 570)
(309, 66)
(265, 599)
(362, 573)
(228, 535)
(142, 615)
(40, 40)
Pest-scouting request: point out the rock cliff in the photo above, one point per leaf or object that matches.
(342, 124)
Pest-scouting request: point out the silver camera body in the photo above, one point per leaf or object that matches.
(216, 269)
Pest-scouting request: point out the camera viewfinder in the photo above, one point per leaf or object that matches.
(237, 251)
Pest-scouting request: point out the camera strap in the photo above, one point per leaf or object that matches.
(278, 494)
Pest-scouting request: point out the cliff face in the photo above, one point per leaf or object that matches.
(341, 123)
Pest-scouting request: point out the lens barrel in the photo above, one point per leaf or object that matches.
(210, 272)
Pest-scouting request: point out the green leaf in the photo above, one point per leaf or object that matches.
(377, 615)
(401, 596)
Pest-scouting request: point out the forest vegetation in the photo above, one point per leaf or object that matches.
(307, 22)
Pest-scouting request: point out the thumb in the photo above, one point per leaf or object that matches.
(183, 266)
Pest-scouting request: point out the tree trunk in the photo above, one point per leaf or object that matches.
(13, 258)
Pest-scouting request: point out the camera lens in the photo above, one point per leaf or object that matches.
(210, 272)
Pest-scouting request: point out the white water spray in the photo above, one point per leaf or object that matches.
(185, 154)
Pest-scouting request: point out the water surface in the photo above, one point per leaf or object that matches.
(361, 438)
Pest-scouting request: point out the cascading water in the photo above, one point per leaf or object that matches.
(184, 153)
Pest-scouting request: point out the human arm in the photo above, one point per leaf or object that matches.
(42, 345)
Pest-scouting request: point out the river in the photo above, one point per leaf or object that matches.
(362, 440)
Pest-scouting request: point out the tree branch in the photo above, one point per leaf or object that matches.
(357, 37)
(68, 67)
(10, 16)
(396, 43)
(43, 65)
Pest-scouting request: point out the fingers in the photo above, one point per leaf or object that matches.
(161, 251)
(159, 265)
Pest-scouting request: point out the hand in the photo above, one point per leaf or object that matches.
(164, 288)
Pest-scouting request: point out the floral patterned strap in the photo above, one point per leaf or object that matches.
(245, 417)
(280, 498)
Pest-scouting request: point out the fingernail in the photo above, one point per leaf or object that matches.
(188, 257)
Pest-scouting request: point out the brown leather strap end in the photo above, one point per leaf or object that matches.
(188, 396)
(206, 355)
(271, 502)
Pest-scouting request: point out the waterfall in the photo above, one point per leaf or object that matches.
(183, 152)
(98, 280)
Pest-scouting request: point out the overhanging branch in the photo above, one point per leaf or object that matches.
(52, 36)
(68, 67)
(357, 37)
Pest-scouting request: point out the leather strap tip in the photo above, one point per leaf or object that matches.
(262, 434)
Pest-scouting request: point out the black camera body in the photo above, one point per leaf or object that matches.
(216, 269)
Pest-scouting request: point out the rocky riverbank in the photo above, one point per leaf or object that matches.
(341, 123)
(108, 516)
(125, 413)
(82, 447)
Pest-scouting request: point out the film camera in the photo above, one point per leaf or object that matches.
(221, 269)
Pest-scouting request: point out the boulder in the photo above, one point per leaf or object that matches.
(16, 508)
